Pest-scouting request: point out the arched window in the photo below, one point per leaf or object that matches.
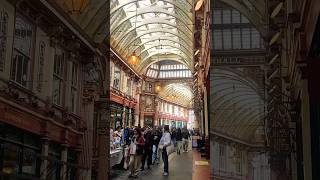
(3, 38)
(42, 47)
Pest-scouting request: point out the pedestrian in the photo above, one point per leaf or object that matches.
(165, 141)
(173, 136)
(136, 151)
(156, 140)
(147, 156)
(179, 141)
(185, 139)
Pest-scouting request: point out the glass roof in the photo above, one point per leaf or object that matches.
(153, 29)
(168, 70)
(236, 103)
(181, 91)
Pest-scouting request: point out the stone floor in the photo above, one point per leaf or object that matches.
(180, 168)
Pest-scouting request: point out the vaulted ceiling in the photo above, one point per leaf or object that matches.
(154, 29)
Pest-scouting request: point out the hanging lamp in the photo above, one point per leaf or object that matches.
(133, 59)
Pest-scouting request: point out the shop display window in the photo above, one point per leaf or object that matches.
(10, 158)
(19, 153)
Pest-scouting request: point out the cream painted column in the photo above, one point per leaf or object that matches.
(44, 162)
(64, 159)
(305, 113)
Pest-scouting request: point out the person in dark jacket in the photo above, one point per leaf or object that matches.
(179, 141)
(173, 136)
(185, 139)
(156, 139)
(148, 136)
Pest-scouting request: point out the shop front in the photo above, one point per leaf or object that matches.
(116, 119)
(148, 121)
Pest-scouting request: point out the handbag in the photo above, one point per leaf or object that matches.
(133, 148)
(170, 149)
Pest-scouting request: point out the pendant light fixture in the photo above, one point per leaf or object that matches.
(133, 59)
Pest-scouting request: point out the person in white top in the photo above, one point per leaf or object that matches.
(165, 141)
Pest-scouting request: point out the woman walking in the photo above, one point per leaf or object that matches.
(165, 141)
(136, 151)
(179, 141)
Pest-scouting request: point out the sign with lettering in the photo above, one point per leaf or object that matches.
(237, 61)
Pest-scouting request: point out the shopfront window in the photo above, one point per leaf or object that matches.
(19, 153)
(29, 162)
(71, 167)
(54, 162)
(23, 44)
(10, 159)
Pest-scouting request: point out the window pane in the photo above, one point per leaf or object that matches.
(217, 39)
(29, 164)
(235, 16)
(226, 16)
(244, 19)
(227, 38)
(23, 36)
(217, 16)
(255, 38)
(246, 38)
(236, 41)
(10, 159)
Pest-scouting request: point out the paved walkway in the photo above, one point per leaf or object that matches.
(201, 167)
(180, 168)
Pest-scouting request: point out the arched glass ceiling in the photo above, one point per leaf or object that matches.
(254, 10)
(182, 92)
(153, 29)
(237, 106)
(168, 69)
